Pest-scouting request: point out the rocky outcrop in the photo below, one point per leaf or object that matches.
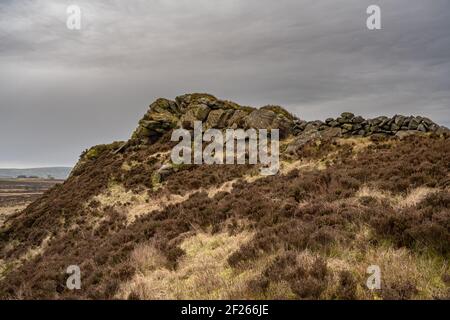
(351, 125)
(164, 115)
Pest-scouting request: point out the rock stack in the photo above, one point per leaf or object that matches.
(164, 115)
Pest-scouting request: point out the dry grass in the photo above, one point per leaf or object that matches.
(226, 187)
(404, 274)
(415, 196)
(203, 272)
(5, 212)
(139, 208)
(117, 195)
(30, 254)
(358, 144)
(301, 165)
(398, 201)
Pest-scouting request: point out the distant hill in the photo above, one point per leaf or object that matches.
(55, 172)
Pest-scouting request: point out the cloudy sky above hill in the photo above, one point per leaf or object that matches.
(63, 90)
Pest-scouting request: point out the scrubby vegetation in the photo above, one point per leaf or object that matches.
(337, 206)
(313, 231)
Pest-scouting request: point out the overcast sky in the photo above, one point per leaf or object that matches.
(62, 91)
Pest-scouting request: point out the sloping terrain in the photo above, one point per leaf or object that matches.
(17, 194)
(351, 193)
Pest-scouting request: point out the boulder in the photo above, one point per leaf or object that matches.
(237, 119)
(433, 127)
(333, 124)
(394, 127)
(347, 115)
(218, 118)
(413, 124)
(184, 101)
(161, 116)
(379, 121)
(268, 119)
(358, 119)
(427, 121)
(198, 112)
(399, 120)
(331, 133)
(422, 128)
(347, 127)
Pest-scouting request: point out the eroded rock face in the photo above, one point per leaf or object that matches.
(162, 115)
(265, 118)
(165, 115)
(196, 112)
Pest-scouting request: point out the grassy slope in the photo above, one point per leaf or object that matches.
(224, 232)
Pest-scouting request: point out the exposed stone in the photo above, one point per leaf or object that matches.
(237, 120)
(342, 120)
(331, 133)
(347, 115)
(422, 128)
(311, 126)
(399, 120)
(301, 140)
(413, 124)
(358, 119)
(218, 118)
(161, 116)
(261, 119)
(347, 127)
(395, 127)
(333, 124)
(361, 133)
(195, 98)
(268, 119)
(279, 111)
(194, 113)
(379, 120)
(164, 115)
(433, 127)
(427, 122)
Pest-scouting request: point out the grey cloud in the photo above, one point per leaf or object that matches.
(62, 91)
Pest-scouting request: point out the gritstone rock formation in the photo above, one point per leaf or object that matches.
(164, 115)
